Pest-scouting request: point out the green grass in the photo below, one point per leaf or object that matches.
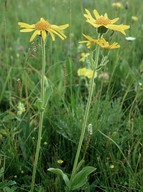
(116, 110)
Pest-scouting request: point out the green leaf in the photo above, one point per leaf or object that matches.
(79, 165)
(80, 178)
(6, 184)
(62, 174)
(7, 189)
(8, 117)
(38, 105)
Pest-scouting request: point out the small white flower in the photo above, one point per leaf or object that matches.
(130, 38)
(90, 129)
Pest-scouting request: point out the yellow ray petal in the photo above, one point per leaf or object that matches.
(37, 32)
(26, 30)
(93, 23)
(25, 25)
(60, 34)
(88, 37)
(58, 30)
(96, 13)
(61, 27)
(83, 41)
(88, 15)
(105, 15)
(52, 35)
(43, 35)
(120, 28)
(114, 20)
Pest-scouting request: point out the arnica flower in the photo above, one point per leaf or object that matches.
(103, 23)
(84, 56)
(43, 28)
(134, 18)
(86, 73)
(117, 5)
(100, 42)
(105, 44)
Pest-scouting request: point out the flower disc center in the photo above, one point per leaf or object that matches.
(103, 21)
(42, 25)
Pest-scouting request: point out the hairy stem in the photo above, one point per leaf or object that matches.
(85, 119)
(41, 117)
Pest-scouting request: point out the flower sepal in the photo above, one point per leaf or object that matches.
(102, 30)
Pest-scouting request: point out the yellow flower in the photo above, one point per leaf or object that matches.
(84, 56)
(86, 72)
(101, 42)
(112, 166)
(117, 5)
(103, 23)
(105, 44)
(89, 74)
(60, 161)
(81, 71)
(43, 28)
(134, 18)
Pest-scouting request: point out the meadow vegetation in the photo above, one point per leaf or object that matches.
(115, 146)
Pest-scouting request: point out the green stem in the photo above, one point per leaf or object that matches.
(85, 119)
(5, 83)
(41, 117)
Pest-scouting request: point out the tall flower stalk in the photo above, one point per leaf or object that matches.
(87, 109)
(42, 99)
(42, 28)
(102, 23)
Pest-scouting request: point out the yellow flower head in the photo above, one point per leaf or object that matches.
(84, 56)
(134, 18)
(105, 44)
(103, 23)
(60, 161)
(42, 28)
(112, 166)
(117, 5)
(86, 73)
(81, 71)
(100, 42)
